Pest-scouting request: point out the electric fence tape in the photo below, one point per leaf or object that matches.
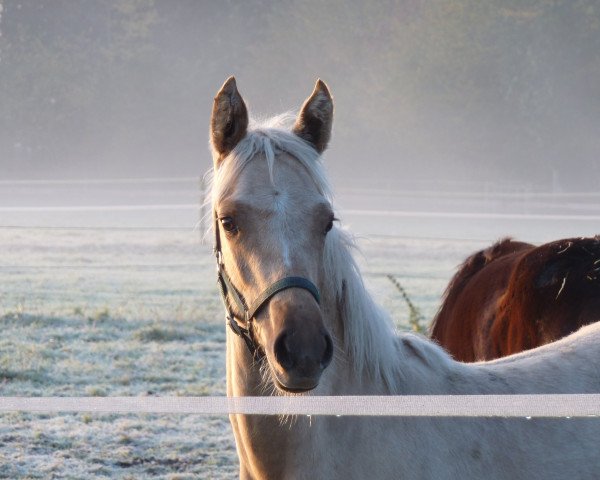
(525, 406)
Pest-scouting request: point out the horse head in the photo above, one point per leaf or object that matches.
(271, 222)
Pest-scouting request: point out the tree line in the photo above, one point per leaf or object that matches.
(472, 88)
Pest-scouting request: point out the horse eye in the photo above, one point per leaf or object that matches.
(329, 225)
(228, 224)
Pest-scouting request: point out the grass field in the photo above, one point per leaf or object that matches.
(119, 312)
(128, 305)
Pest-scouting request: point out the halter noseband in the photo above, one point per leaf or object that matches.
(228, 291)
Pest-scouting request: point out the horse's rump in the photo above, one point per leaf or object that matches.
(477, 285)
(514, 296)
(553, 291)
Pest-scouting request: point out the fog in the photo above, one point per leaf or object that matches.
(443, 94)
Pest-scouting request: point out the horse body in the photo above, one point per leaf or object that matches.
(515, 296)
(274, 217)
(463, 323)
(434, 448)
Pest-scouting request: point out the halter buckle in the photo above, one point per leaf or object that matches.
(245, 335)
(235, 327)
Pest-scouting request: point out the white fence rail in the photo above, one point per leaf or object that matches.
(523, 406)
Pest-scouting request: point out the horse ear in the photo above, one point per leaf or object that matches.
(229, 120)
(316, 117)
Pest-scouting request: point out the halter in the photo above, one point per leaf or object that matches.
(228, 291)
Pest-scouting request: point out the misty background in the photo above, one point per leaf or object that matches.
(445, 91)
(457, 122)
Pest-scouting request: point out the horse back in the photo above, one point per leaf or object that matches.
(553, 291)
(468, 310)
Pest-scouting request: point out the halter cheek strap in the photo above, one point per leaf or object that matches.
(228, 291)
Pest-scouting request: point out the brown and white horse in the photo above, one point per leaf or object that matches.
(514, 296)
(300, 320)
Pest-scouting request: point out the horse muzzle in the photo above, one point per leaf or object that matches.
(299, 348)
(300, 361)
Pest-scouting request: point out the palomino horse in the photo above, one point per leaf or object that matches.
(300, 320)
(514, 296)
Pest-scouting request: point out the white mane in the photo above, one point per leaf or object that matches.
(369, 337)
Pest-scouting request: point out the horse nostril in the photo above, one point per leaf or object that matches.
(282, 352)
(328, 355)
(300, 357)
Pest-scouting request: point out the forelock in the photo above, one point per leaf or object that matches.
(268, 139)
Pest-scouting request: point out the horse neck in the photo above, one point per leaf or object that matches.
(373, 359)
(265, 443)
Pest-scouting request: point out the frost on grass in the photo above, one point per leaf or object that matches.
(111, 446)
(47, 356)
(74, 357)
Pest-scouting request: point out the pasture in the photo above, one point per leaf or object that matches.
(110, 290)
